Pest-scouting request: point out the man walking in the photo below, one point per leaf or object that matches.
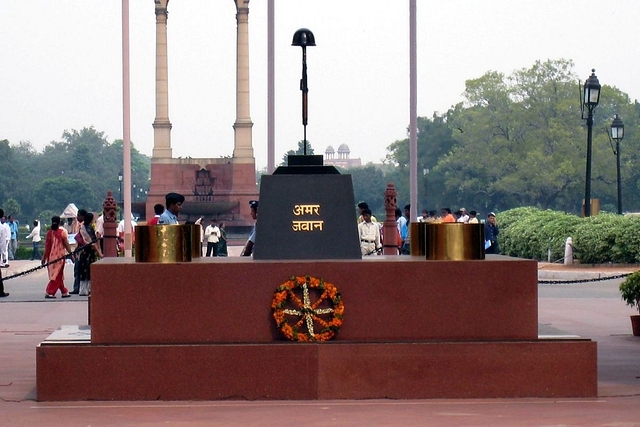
(212, 234)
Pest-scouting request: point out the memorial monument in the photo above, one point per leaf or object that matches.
(214, 187)
(312, 325)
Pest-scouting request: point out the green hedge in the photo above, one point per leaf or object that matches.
(605, 238)
(24, 252)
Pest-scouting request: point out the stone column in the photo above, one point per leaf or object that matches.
(390, 227)
(242, 148)
(110, 218)
(161, 124)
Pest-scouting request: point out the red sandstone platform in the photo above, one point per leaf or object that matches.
(412, 329)
(228, 300)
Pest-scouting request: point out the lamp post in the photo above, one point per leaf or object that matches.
(617, 133)
(303, 38)
(591, 93)
(120, 192)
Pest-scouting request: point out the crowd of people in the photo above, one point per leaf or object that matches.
(88, 232)
(214, 234)
(370, 231)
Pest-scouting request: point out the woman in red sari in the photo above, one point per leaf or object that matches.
(56, 246)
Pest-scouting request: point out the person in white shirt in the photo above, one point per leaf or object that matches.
(100, 230)
(464, 217)
(212, 234)
(200, 231)
(5, 238)
(35, 240)
(369, 234)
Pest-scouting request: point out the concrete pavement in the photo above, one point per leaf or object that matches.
(591, 309)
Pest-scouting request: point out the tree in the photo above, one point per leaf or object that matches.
(85, 155)
(9, 171)
(435, 141)
(518, 140)
(369, 184)
(12, 207)
(298, 152)
(56, 193)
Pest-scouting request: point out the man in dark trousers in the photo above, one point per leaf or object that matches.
(491, 232)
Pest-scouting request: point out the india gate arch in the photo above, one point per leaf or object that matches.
(218, 188)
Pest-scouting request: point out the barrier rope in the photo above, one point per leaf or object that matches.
(31, 270)
(540, 282)
(596, 279)
(568, 282)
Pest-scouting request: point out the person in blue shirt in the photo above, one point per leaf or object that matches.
(174, 203)
(13, 244)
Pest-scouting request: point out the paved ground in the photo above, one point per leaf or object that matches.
(590, 309)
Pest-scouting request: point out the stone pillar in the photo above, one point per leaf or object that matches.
(161, 124)
(390, 227)
(109, 209)
(242, 147)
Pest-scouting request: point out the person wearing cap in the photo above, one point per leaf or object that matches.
(174, 203)
(248, 247)
(464, 217)
(491, 232)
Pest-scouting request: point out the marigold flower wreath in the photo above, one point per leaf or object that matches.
(287, 303)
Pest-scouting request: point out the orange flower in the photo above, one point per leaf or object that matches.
(308, 313)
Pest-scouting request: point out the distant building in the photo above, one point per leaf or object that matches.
(342, 159)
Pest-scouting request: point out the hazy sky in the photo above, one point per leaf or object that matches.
(62, 65)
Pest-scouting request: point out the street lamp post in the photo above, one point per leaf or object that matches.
(591, 93)
(617, 133)
(304, 37)
(120, 192)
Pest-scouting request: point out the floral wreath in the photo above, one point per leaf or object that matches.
(286, 304)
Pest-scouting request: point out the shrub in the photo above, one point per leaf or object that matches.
(531, 232)
(630, 290)
(24, 252)
(605, 238)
